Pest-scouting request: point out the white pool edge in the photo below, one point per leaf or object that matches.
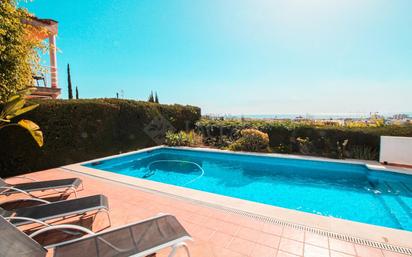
(345, 227)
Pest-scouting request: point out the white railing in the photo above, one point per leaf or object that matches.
(47, 77)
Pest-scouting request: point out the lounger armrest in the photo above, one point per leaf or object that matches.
(33, 199)
(62, 227)
(10, 188)
(27, 219)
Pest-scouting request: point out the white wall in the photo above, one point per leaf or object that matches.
(396, 150)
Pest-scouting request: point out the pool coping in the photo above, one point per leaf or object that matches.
(377, 236)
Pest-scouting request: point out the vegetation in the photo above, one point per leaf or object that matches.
(363, 153)
(153, 98)
(80, 130)
(19, 53)
(183, 138)
(156, 98)
(305, 137)
(251, 140)
(14, 107)
(77, 93)
(69, 83)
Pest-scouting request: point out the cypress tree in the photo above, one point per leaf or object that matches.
(77, 93)
(151, 98)
(156, 99)
(69, 83)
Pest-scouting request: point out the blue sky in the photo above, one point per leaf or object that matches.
(240, 56)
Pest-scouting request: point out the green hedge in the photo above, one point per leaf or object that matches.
(363, 143)
(80, 130)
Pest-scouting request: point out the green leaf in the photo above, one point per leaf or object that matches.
(26, 92)
(21, 111)
(13, 106)
(13, 97)
(34, 130)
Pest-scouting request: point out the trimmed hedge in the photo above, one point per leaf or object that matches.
(80, 130)
(363, 143)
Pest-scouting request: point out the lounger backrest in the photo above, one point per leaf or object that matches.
(13, 242)
(5, 213)
(3, 184)
(126, 241)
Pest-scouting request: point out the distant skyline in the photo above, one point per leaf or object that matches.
(239, 56)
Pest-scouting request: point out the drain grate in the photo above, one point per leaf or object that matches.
(347, 238)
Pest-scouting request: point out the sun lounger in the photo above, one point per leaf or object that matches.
(41, 213)
(139, 239)
(60, 186)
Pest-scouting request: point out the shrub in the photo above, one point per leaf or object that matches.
(305, 145)
(183, 138)
(283, 135)
(19, 52)
(80, 130)
(363, 153)
(251, 140)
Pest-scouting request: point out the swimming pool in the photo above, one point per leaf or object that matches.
(342, 190)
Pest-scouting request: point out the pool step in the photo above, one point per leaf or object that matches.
(399, 188)
(397, 207)
(403, 196)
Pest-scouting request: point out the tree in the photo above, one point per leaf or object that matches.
(156, 99)
(69, 83)
(151, 98)
(19, 50)
(77, 93)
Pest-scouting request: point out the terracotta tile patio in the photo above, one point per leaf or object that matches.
(215, 232)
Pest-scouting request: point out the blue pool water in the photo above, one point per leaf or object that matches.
(341, 190)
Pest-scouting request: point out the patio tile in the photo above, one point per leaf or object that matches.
(241, 246)
(342, 246)
(392, 254)
(248, 234)
(198, 219)
(212, 223)
(317, 240)
(291, 246)
(251, 223)
(203, 233)
(340, 254)
(218, 215)
(222, 252)
(228, 228)
(220, 239)
(269, 240)
(315, 251)
(285, 254)
(272, 229)
(294, 234)
(263, 251)
(237, 219)
(365, 251)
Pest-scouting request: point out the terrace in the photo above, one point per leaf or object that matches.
(215, 232)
